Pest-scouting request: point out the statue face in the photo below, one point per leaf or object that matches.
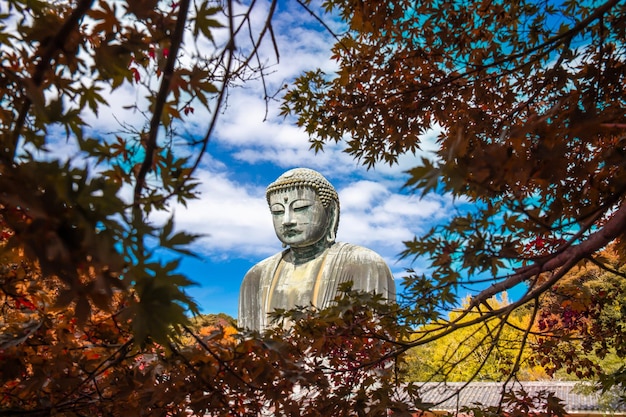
(299, 217)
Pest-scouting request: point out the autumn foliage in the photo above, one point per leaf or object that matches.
(581, 324)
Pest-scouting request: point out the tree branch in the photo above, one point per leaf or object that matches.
(562, 262)
(219, 360)
(612, 229)
(164, 90)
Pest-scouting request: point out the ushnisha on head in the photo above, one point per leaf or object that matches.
(300, 184)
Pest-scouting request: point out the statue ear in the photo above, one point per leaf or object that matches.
(333, 222)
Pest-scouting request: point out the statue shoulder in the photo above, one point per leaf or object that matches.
(367, 270)
(355, 253)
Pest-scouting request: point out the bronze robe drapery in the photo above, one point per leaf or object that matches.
(277, 282)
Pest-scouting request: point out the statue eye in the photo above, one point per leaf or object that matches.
(301, 205)
(277, 209)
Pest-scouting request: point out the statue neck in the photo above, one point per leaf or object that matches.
(302, 255)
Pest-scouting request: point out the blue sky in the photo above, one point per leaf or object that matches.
(250, 149)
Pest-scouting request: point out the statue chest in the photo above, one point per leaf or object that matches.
(295, 284)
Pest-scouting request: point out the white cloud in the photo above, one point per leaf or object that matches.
(375, 215)
(244, 125)
(233, 217)
(429, 207)
(360, 195)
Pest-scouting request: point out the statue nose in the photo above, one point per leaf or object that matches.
(288, 218)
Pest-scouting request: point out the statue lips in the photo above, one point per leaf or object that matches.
(291, 232)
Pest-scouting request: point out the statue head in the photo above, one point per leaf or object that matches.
(305, 208)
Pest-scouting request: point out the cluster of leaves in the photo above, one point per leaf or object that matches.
(333, 362)
(347, 356)
(580, 326)
(53, 365)
(529, 97)
(94, 321)
(49, 360)
(575, 331)
(519, 403)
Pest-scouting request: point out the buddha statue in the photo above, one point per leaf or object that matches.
(305, 212)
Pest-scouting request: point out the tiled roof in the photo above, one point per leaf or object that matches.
(452, 396)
